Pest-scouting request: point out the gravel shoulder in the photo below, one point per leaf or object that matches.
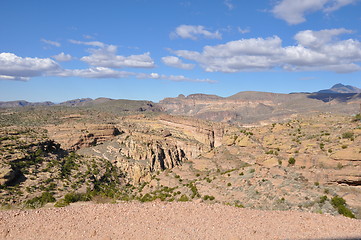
(159, 220)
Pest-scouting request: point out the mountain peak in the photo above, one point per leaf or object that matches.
(340, 88)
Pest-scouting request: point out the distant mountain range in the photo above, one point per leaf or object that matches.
(335, 89)
(340, 88)
(247, 107)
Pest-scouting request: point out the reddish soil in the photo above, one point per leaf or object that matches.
(158, 220)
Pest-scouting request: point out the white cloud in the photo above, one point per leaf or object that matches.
(193, 32)
(181, 78)
(18, 68)
(258, 54)
(14, 78)
(317, 39)
(173, 61)
(53, 43)
(62, 57)
(229, 4)
(13, 67)
(243, 31)
(92, 43)
(106, 57)
(173, 78)
(337, 4)
(96, 72)
(294, 11)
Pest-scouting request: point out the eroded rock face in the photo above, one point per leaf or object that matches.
(7, 174)
(151, 144)
(76, 136)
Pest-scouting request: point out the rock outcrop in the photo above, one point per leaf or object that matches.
(76, 136)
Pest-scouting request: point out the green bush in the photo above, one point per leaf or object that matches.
(357, 117)
(207, 197)
(323, 199)
(340, 204)
(75, 197)
(61, 203)
(291, 161)
(347, 135)
(40, 201)
(183, 198)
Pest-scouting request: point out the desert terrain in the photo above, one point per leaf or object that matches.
(250, 166)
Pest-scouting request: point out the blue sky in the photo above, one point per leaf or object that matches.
(152, 49)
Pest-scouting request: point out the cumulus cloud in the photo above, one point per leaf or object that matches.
(316, 39)
(13, 67)
(106, 57)
(92, 43)
(173, 61)
(53, 43)
(193, 32)
(96, 72)
(62, 57)
(316, 50)
(294, 11)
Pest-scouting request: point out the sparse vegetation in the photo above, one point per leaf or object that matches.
(291, 161)
(340, 204)
(348, 135)
(36, 202)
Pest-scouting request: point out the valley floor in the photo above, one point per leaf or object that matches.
(160, 220)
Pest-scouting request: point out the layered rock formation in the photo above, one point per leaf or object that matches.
(75, 136)
(146, 145)
(259, 107)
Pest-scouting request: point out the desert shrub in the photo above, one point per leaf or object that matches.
(239, 205)
(229, 184)
(269, 152)
(61, 203)
(183, 198)
(344, 146)
(291, 161)
(357, 117)
(194, 190)
(347, 135)
(147, 198)
(207, 197)
(40, 201)
(340, 205)
(75, 197)
(323, 199)
(67, 165)
(339, 165)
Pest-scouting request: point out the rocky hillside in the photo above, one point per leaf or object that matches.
(260, 107)
(306, 164)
